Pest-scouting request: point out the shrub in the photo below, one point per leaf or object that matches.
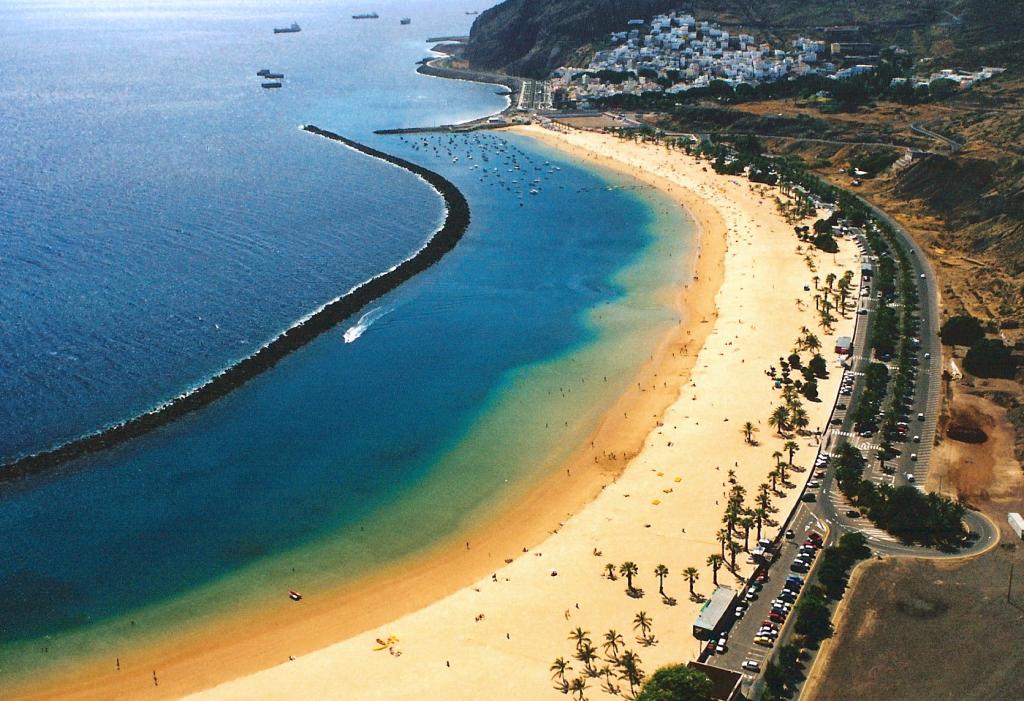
(962, 330)
(990, 358)
(676, 683)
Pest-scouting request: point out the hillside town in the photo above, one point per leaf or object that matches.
(675, 53)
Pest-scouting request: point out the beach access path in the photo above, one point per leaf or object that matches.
(497, 638)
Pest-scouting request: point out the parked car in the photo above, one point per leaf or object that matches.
(853, 513)
(910, 477)
(808, 496)
(790, 534)
(751, 666)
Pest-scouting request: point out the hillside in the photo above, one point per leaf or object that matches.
(532, 37)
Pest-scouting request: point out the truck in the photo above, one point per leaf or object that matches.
(1016, 523)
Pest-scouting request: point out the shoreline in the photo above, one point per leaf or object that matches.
(443, 240)
(463, 646)
(420, 580)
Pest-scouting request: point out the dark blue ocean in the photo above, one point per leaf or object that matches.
(161, 216)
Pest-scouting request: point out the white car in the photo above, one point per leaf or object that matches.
(751, 666)
(910, 477)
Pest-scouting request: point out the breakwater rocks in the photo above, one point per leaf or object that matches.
(433, 68)
(444, 240)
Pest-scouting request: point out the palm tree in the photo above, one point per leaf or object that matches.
(642, 622)
(661, 572)
(631, 672)
(734, 550)
(816, 280)
(812, 343)
(612, 640)
(715, 562)
(559, 667)
(629, 570)
(610, 569)
(581, 637)
(830, 279)
(792, 447)
(691, 575)
(775, 474)
(748, 431)
(760, 514)
(800, 419)
(722, 537)
(747, 522)
(778, 418)
(777, 455)
(578, 686)
(586, 655)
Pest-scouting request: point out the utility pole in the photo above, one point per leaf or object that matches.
(1009, 586)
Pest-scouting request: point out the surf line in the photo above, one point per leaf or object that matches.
(456, 222)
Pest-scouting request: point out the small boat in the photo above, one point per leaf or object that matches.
(366, 15)
(263, 73)
(294, 595)
(273, 76)
(288, 30)
(271, 85)
(405, 20)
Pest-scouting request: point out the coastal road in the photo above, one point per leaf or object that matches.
(927, 395)
(829, 513)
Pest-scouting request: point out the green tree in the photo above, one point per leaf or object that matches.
(676, 683)
(961, 330)
(813, 618)
(990, 358)
(748, 431)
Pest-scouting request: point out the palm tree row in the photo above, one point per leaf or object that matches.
(624, 665)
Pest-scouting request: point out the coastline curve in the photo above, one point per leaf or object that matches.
(323, 319)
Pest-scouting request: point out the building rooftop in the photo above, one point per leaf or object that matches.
(714, 608)
(725, 683)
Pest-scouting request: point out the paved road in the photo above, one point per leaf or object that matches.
(954, 145)
(828, 513)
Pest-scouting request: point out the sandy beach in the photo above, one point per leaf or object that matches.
(649, 487)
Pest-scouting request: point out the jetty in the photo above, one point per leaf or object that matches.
(507, 117)
(457, 216)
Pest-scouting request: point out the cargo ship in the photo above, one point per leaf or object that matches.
(366, 15)
(288, 30)
(271, 84)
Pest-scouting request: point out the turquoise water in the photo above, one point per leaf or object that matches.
(453, 394)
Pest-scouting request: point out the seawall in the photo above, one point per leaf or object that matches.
(444, 240)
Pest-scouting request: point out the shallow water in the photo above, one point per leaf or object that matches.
(448, 396)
